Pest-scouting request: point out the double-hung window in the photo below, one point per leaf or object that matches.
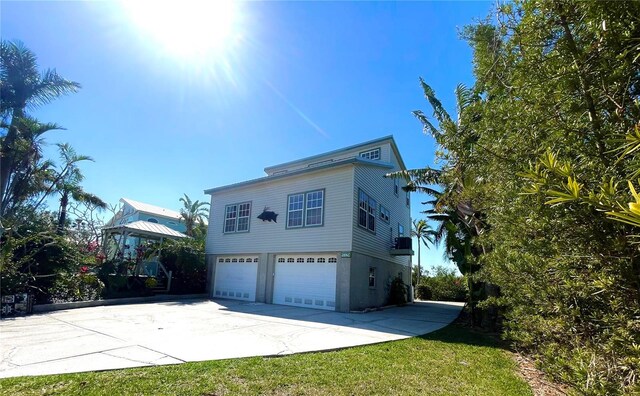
(236, 217)
(367, 207)
(384, 214)
(313, 209)
(305, 209)
(295, 210)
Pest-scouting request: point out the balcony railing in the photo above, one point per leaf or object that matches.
(401, 247)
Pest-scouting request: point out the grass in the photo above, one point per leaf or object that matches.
(451, 361)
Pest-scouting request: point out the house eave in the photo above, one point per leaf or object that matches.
(349, 161)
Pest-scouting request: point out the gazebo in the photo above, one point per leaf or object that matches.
(115, 244)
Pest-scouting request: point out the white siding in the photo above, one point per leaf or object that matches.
(263, 236)
(385, 156)
(371, 180)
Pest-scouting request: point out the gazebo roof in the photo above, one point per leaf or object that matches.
(147, 229)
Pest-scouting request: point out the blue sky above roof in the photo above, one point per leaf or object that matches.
(305, 78)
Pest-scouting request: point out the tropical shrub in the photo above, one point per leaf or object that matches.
(445, 285)
(397, 292)
(423, 292)
(540, 167)
(185, 258)
(76, 287)
(34, 259)
(150, 283)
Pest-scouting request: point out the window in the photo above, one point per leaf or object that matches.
(400, 230)
(236, 217)
(333, 260)
(372, 277)
(407, 196)
(371, 154)
(152, 220)
(384, 214)
(305, 209)
(313, 211)
(396, 186)
(367, 211)
(296, 208)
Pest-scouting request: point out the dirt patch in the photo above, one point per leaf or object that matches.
(539, 383)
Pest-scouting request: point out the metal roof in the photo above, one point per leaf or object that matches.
(147, 228)
(151, 209)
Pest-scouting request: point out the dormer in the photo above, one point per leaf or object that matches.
(383, 149)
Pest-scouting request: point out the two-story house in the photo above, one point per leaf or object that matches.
(318, 232)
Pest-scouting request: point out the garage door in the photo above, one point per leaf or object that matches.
(236, 277)
(305, 281)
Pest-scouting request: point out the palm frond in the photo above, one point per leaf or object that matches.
(88, 198)
(464, 98)
(427, 126)
(438, 110)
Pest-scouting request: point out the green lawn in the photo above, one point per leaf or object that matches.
(452, 361)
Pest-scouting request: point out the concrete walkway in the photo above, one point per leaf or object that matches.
(113, 337)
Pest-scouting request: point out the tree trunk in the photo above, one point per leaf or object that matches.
(62, 216)
(419, 271)
(6, 154)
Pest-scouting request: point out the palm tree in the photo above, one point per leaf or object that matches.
(29, 174)
(456, 230)
(424, 233)
(22, 87)
(459, 222)
(68, 184)
(193, 213)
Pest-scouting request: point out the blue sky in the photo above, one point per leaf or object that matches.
(292, 79)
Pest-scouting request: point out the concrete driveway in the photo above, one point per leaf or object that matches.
(113, 337)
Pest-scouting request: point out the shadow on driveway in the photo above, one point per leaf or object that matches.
(407, 320)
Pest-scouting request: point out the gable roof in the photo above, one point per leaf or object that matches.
(151, 209)
(147, 228)
(334, 153)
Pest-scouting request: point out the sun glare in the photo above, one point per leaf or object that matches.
(189, 28)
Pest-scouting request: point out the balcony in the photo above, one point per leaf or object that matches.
(401, 247)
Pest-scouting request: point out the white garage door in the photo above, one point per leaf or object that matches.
(305, 281)
(236, 277)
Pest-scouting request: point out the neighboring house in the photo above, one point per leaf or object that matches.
(319, 232)
(137, 220)
(133, 211)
